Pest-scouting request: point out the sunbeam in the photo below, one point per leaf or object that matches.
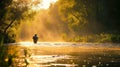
(44, 4)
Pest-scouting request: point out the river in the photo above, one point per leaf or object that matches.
(67, 54)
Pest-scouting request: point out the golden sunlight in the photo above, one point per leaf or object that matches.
(43, 4)
(27, 43)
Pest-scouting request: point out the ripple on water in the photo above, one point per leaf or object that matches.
(50, 60)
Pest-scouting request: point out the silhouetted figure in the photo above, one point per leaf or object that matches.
(35, 38)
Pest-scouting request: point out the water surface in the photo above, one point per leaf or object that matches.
(60, 54)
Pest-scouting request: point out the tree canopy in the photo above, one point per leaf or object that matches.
(78, 17)
(11, 13)
(90, 16)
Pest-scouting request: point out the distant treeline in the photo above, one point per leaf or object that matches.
(81, 18)
(89, 19)
(95, 38)
(91, 16)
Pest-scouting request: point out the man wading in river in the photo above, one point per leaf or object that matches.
(35, 38)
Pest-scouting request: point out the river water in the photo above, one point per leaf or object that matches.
(65, 54)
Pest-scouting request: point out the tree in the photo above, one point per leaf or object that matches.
(74, 12)
(12, 11)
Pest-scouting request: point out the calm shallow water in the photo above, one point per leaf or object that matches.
(69, 55)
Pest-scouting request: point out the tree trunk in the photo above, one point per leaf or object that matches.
(9, 25)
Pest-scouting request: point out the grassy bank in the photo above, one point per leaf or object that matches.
(96, 38)
(8, 54)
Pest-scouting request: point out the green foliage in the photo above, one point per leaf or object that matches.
(74, 13)
(101, 38)
(11, 13)
(7, 55)
(115, 38)
(3, 53)
(89, 18)
(82, 18)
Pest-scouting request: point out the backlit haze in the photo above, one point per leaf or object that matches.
(46, 23)
(44, 4)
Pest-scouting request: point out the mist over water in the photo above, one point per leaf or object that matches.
(46, 24)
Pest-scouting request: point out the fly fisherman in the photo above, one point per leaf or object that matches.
(35, 38)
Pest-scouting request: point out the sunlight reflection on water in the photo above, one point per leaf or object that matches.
(60, 54)
(26, 43)
(49, 60)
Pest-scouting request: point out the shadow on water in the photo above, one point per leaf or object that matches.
(68, 56)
